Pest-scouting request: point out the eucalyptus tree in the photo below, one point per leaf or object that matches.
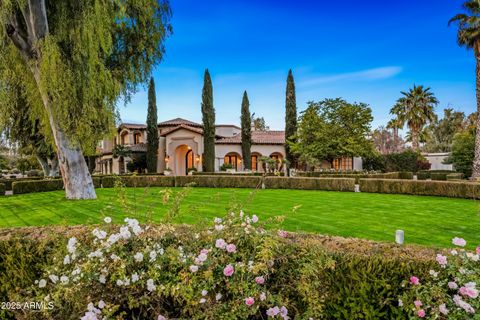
(74, 59)
(468, 36)
(416, 109)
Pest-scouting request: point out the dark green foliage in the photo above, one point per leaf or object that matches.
(331, 129)
(208, 119)
(20, 187)
(405, 175)
(139, 181)
(241, 174)
(226, 166)
(451, 189)
(357, 175)
(441, 132)
(463, 152)
(152, 130)
(219, 181)
(408, 160)
(2, 189)
(246, 125)
(290, 118)
(439, 176)
(138, 163)
(329, 184)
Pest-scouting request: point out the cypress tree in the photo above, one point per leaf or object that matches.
(290, 118)
(208, 118)
(152, 130)
(246, 123)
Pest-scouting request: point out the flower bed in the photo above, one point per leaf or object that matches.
(451, 189)
(233, 268)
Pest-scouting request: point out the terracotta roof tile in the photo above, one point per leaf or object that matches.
(182, 126)
(132, 126)
(258, 137)
(179, 121)
(140, 147)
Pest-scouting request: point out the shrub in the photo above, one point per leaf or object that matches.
(405, 175)
(423, 175)
(139, 181)
(452, 189)
(449, 291)
(184, 272)
(241, 174)
(226, 166)
(8, 182)
(2, 189)
(442, 176)
(20, 187)
(219, 181)
(455, 176)
(330, 184)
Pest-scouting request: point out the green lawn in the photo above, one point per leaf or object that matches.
(426, 220)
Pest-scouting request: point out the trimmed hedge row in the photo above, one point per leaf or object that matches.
(257, 174)
(2, 189)
(8, 182)
(20, 187)
(139, 181)
(451, 189)
(434, 174)
(329, 184)
(219, 181)
(357, 176)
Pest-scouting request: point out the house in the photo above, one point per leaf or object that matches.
(437, 160)
(181, 148)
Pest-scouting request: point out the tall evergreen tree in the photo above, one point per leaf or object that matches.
(208, 118)
(152, 130)
(246, 124)
(290, 118)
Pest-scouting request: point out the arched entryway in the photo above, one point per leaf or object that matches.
(234, 160)
(184, 160)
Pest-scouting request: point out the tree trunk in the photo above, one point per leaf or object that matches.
(414, 139)
(76, 179)
(476, 160)
(44, 164)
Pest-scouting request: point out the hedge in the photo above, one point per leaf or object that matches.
(357, 175)
(433, 174)
(329, 184)
(219, 181)
(451, 189)
(223, 173)
(20, 187)
(336, 277)
(139, 181)
(455, 176)
(8, 182)
(2, 189)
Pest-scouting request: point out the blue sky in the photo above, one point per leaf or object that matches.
(365, 51)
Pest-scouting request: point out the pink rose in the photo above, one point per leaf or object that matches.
(204, 251)
(442, 260)
(478, 250)
(469, 291)
(283, 312)
(231, 248)
(459, 242)
(249, 301)
(193, 268)
(452, 285)
(228, 271)
(421, 313)
(282, 233)
(260, 280)
(254, 219)
(417, 303)
(414, 280)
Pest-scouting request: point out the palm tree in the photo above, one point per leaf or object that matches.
(416, 109)
(395, 124)
(469, 36)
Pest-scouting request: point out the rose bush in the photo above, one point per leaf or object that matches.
(128, 272)
(450, 291)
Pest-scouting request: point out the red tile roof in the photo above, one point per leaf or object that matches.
(139, 147)
(132, 126)
(258, 137)
(182, 126)
(179, 121)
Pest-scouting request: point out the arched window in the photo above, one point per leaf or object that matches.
(234, 159)
(278, 157)
(124, 138)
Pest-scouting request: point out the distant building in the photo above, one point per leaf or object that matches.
(436, 160)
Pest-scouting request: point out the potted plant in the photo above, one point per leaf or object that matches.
(167, 171)
(191, 170)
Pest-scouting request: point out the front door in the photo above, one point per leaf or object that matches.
(188, 160)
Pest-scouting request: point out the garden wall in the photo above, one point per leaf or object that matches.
(453, 189)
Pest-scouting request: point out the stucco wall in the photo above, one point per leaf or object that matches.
(436, 160)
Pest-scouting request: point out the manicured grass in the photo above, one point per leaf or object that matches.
(426, 220)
